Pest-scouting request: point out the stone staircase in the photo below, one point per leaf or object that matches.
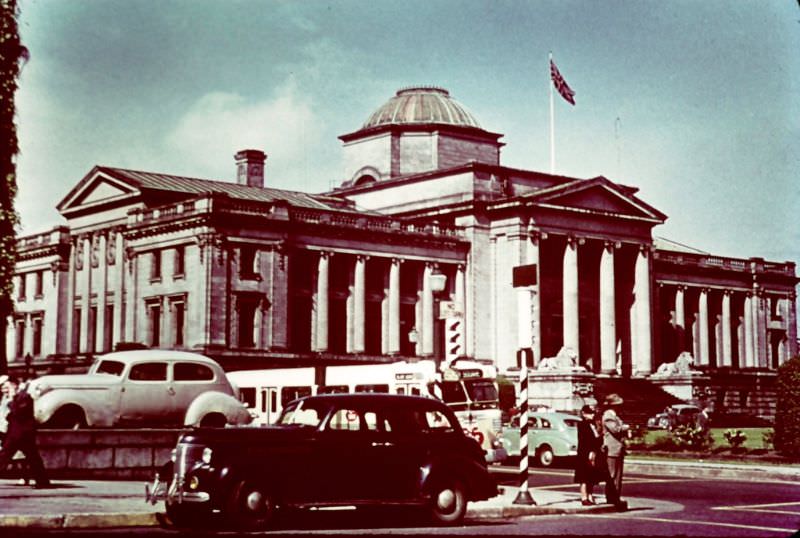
(642, 398)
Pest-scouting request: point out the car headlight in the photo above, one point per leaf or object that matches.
(173, 455)
(207, 455)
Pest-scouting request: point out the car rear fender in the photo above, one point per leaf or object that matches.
(96, 403)
(464, 469)
(215, 402)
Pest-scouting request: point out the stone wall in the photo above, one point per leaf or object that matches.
(103, 454)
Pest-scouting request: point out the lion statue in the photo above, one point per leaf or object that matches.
(681, 366)
(565, 360)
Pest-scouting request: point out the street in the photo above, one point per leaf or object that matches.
(661, 506)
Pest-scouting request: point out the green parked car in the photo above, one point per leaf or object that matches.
(550, 435)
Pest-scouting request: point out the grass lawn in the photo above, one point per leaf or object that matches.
(755, 437)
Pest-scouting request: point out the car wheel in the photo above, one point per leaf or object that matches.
(545, 456)
(251, 506)
(663, 423)
(448, 502)
(70, 417)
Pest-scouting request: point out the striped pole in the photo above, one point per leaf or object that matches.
(523, 496)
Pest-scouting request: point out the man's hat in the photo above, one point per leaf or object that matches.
(613, 399)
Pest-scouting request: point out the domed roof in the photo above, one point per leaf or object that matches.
(422, 104)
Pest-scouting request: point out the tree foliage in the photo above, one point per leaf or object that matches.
(787, 412)
(12, 54)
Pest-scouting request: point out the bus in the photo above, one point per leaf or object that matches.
(469, 388)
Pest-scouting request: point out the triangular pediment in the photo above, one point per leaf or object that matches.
(97, 189)
(598, 195)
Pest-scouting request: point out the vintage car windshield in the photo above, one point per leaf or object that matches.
(105, 366)
(302, 414)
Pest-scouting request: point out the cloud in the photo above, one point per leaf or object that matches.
(219, 124)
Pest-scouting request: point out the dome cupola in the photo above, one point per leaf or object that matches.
(422, 105)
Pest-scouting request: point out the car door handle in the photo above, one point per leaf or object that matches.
(376, 443)
(171, 391)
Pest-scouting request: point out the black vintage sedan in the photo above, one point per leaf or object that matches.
(331, 450)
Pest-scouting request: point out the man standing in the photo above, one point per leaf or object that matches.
(614, 434)
(21, 434)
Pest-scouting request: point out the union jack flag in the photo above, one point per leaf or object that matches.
(561, 85)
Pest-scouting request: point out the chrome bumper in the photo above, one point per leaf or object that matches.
(160, 490)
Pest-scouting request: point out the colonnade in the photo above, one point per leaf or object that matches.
(726, 327)
(431, 281)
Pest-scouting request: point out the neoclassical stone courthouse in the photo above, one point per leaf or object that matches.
(429, 247)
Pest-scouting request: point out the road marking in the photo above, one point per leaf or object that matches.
(763, 508)
(691, 522)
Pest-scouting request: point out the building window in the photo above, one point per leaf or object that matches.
(19, 335)
(154, 323)
(108, 328)
(247, 308)
(178, 325)
(39, 289)
(155, 267)
(76, 330)
(180, 261)
(248, 263)
(37, 323)
(21, 292)
(91, 344)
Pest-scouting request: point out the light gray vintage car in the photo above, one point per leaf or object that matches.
(143, 387)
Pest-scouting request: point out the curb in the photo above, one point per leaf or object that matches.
(152, 519)
(710, 470)
(79, 521)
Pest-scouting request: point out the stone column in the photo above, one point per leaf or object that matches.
(748, 331)
(102, 271)
(571, 334)
(391, 318)
(608, 329)
(359, 305)
(702, 312)
(727, 341)
(116, 253)
(760, 322)
(86, 292)
(426, 331)
(131, 294)
(536, 296)
(791, 326)
(680, 318)
(643, 361)
(321, 302)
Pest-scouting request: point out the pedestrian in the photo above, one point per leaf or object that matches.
(21, 434)
(587, 467)
(19, 457)
(615, 432)
(702, 419)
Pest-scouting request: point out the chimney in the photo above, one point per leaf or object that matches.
(250, 167)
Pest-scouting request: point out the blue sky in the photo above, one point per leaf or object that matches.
(696, 103)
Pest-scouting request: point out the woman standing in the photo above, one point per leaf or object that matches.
(588, 467)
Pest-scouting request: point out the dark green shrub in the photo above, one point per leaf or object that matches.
(787, 412)
(690, 437)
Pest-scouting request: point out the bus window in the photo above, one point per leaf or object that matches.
(453, 392)
(372, 388)
(333, 389)
(481, 390)
(292, 393)
(248, 396)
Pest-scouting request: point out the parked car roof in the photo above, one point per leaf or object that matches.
(152, 354)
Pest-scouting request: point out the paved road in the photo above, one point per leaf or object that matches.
(660, 506)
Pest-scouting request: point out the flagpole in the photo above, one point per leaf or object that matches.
(552, 118)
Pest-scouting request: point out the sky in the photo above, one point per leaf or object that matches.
(696, 103)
